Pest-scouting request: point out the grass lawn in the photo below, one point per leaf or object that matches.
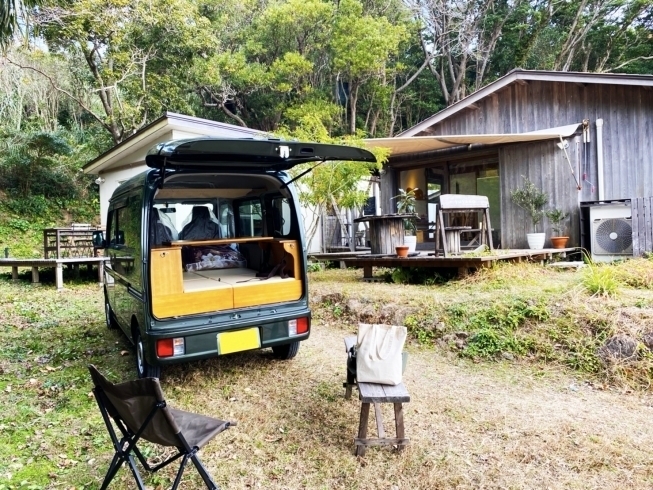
(509, 388)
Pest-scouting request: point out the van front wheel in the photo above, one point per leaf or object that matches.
(112, 324)
(143, 368)
(286, 351)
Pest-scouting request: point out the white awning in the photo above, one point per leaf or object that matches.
(419, 144)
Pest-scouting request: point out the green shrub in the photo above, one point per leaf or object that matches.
(600, 280)
(314, 267)
(420, 329)
(414, 275)
(19, 224)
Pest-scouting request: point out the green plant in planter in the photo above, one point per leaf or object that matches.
(530, 199)
(557, 218)
(406, 205)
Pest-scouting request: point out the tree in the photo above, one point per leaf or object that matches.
(136, 56)
(33, 162)
(582, 35)
(10, 12)
(27, 98)
(361, 47)
(331, 185)
(459, 38)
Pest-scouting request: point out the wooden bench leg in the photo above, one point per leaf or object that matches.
(347, 391)
(399, 424)
(59, 276)
(367, 272)
(100, 272)
(351, 381)
(14, 273)
(379, 421)
(35, 275)
(362, 427)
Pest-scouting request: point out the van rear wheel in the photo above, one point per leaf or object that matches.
(143, 368)
(286, 351)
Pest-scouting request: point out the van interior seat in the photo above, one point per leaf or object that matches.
(162, 230)
(201, 226)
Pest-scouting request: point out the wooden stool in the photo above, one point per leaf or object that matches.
(375, 394)
(372, 393)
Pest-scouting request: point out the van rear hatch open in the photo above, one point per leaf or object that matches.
(261, 155)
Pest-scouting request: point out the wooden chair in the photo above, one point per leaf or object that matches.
(450, 235)
(139, 410)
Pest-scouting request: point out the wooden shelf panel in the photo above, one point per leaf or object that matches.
(222, 241)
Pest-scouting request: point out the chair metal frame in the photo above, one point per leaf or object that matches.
(126, 446)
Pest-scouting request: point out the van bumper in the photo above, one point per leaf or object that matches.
(202, 342)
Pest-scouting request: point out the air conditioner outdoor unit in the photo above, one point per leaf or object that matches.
(612, 232)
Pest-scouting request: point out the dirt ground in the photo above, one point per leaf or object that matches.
(471, 426)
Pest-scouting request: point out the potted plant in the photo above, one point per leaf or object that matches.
(532, 200)
(557, 218)
(406, 205)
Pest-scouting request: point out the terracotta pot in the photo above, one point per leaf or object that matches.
(402, 250)
(559, 241)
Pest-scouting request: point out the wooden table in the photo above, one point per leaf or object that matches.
(57, 264)
(68, 242)
(386, 231)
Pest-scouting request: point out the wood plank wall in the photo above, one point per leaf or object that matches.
(642, 222)
(627, 112)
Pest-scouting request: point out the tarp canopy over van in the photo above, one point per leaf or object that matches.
(262, 155)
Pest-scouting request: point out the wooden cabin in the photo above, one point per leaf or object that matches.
(583, 138)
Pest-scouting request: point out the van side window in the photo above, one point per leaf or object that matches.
(111, 227)
(281, 217)
(125, 241)
(250, 218)
(226, 218)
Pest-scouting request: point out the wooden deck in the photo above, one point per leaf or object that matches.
(57, 264)
(464, 263)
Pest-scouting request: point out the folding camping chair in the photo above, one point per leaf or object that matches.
(139, 411)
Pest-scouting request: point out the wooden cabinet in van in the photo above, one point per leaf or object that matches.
(176, 292)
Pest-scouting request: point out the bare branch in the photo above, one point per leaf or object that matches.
(220, 100)
(625, 63)
(77, 100)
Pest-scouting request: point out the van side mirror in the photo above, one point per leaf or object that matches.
(98, 239)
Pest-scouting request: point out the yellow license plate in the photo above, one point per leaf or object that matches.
(229, 342)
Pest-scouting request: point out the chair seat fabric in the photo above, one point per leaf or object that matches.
(197, 429)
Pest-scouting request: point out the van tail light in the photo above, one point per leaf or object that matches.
(170, 347)
(298, 326)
